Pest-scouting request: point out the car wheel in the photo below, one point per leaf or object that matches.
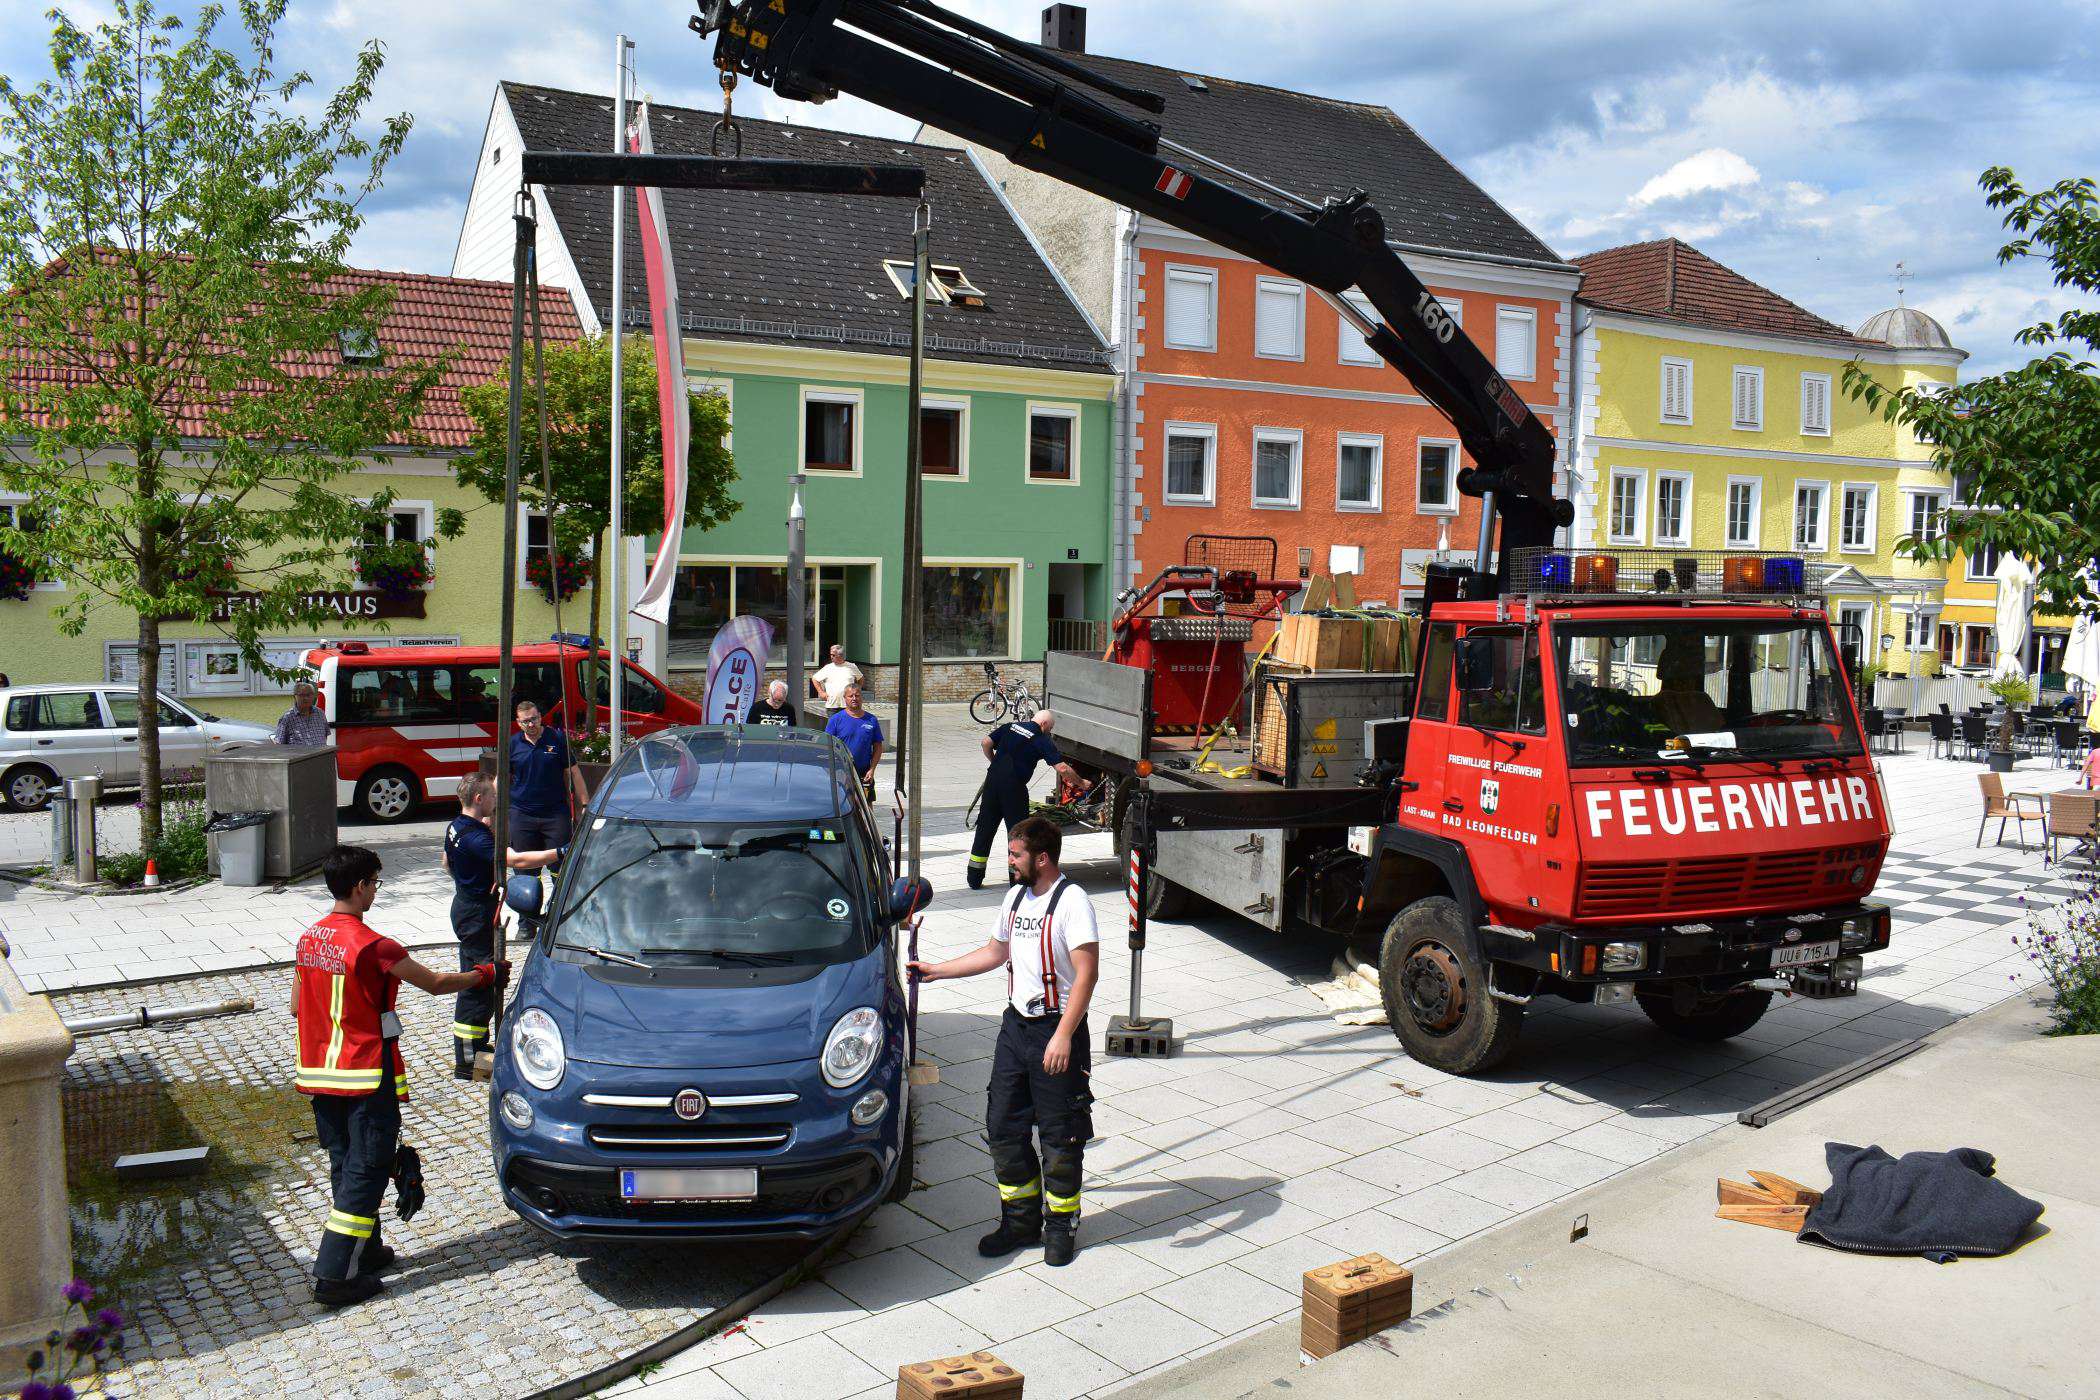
(1705, 1018)
(1435, 984)
(907, 1160)
(28, 787)
(388, 795)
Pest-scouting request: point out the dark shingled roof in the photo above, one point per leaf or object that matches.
(1672, 279)
(804, 268)
(1317, 147)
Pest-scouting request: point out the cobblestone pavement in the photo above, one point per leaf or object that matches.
(215, 1271)
(1276, 1141)
(1273, 1141)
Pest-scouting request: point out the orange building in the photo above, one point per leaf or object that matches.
(1245, 408)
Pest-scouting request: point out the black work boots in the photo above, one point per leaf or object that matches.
(1020, 1225)
(1060, 1239)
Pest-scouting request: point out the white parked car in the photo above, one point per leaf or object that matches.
(49, 733)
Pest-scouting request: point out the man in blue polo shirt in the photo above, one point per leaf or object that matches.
(861, 733)
(545, 789)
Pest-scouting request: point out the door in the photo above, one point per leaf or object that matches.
(1494, 774)
(64, 730)
(182, 744)
(1429, 734)
(830, 620)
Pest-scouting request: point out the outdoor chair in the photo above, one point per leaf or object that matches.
(1942, 735)
(1945, 708)
(2066, 742)
(1877, 729)
(2019, 808)
(2074, 816)
(1975, 736)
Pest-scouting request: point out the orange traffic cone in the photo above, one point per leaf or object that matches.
(152, 875)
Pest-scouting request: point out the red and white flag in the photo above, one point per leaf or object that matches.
(654, 601)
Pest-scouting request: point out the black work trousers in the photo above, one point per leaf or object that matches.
(473, 924)
(361, 1134)
(1028, 1103)
(1005, 800)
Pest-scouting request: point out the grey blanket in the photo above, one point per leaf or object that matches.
(1940, 1205)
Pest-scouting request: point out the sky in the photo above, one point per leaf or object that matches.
(1812, 147)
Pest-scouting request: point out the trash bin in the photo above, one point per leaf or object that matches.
(241, 837)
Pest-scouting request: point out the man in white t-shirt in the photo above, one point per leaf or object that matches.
(1047, 941)
(827, 684)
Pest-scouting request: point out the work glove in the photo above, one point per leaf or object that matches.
(408, 1182)
(493, 974)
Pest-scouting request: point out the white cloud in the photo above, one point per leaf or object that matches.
(1714, 168)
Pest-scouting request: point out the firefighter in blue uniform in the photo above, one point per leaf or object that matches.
(1012, 751)
(470, 857)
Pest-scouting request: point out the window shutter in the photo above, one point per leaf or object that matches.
(1749, 396)
(1276, 320)
(1815, 404)
(1513, 357)
(1354, 349)
(1189, 311)
(1676, 397)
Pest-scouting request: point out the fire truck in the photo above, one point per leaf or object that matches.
(1611, 776)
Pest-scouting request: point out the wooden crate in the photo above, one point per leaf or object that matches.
(1272, 713)
(1346, 643)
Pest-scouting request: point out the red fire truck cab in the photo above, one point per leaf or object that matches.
(410, 722)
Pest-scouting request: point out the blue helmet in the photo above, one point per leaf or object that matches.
(522, 893)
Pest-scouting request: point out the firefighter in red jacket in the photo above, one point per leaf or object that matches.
(344, 984)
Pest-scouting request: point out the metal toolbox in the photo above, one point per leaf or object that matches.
(1309, 726)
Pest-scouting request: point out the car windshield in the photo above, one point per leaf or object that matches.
(684, 895)
(1642, 691)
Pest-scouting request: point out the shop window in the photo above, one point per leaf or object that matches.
(969, 610)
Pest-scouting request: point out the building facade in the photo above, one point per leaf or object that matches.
(795, 308)
(1714, 417)
(1247, 408)
(432, 317)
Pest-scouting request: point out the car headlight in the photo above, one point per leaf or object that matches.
(535, 1046)
(849, 1051)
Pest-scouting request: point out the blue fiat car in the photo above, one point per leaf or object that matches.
(708, 1035)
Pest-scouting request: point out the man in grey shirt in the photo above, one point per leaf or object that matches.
(303, 726)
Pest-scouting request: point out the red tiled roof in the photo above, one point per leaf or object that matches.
(1672, 279)
(466, 322)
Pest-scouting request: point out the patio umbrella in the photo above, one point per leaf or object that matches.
(2015, 614)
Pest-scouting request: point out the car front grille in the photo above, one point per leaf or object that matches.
(687, 1137)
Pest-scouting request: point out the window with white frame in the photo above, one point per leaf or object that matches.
(406, 522)
(1279, 319)
(1928, 515)
(1455, 309)
(1278, 455)
(17, 513)
(1192, 464)
(1745, 498)
(534, 536)
(1919, 627)
(1053, 442)
(1353, 349)
(1673, 508)
(1856, 518)
(1192, 308)
(944, 438)
(1811, 515)
(1629, 492)
(725, 390)
(1815, 405)
(1982, 564)
(1676, 390)
(1359, 469)
(1436, 477)
(1749, 398)
(831, 430)
(1516, 342)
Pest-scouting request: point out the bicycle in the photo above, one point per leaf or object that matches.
(1002, 699)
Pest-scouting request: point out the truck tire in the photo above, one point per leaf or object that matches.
(1436, 990)
(1710, 1018)
(1163, 898)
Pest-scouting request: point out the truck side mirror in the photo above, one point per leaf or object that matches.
(1474, 663)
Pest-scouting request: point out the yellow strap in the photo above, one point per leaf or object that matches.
(335, 1019)
(1022, 1192)
(312, 1078)
(467, 1032)
(1061, 1205)
(1203, 759)
(355, 1226)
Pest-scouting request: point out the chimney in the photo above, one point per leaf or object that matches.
(1064, 28)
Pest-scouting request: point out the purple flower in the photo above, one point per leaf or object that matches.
(84, 1339)
(78, 1291)
(38, 1390)
(109, 1319)
(61, 1391)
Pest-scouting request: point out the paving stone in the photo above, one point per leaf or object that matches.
(1452, 1214)
(811, 1368)
(1137, 1333)
(998, 1306)
(915, 1332)
(1100, 1274)
(1056, 1367)
(1227, 1300)
(890, 1279)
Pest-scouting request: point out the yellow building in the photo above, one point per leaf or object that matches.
(1713, 416)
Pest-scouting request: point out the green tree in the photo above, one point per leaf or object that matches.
(579, 449)
(2024, 444)
(176, 394)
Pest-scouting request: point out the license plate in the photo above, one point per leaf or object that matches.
(688, 1184)
(1802, 954)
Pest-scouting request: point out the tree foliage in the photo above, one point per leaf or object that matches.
(175, 396)
(2024, 445)
(579, 448)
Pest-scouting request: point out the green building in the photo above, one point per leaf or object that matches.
(796, 308)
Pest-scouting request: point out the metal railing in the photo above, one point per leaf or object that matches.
(1078, 634)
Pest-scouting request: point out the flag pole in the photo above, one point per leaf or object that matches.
(617, 565)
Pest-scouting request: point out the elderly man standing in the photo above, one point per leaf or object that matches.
(303, 726)
(827, 684)
(774, 708)
(1011, 752)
